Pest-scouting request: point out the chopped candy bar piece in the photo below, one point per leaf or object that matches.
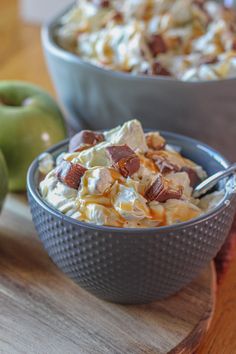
(163, 163)
(124, 159)
(85, 139)
(70, 174)
(193, 176)
(118, 17)
(162, 190)
(101, 3)
(157, 44)
(208, 59)
(158, 69)
(155, 189)
(234, 44)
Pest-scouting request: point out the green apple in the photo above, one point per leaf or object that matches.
(3, 180)
(30, 122)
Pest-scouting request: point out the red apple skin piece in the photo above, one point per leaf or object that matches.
(31, 122)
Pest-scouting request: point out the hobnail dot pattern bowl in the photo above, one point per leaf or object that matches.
(130, 265)
(131, 268)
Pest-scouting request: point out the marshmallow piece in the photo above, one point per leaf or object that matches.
(157, 212)
(181, 11)
(45, 162)
(94, 156)
(180, 211)
(130, 204)
(95, 181)
(130, 133)
(181, 178)
(56, 193)
(211, 200)
(101, 215)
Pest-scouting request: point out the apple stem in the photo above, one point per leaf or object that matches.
(4, 102)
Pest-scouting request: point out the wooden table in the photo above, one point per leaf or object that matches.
(21, 58)
(43, 311)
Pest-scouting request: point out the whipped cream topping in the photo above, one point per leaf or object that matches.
(159, 193)
(191, 40)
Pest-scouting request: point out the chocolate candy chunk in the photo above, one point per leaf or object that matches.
(199, 3)
(161, 190)
(158, 69)
(234, 44)
(193, 177)
(70, 173)
(155, 189)
(208, 59)
(124, 159)
(157, 44)
(232, 26)
(163, 163)
(118, 17)
(85, 139)
(101, 3)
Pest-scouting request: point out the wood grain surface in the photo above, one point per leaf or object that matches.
(21, 57)
(42, 311)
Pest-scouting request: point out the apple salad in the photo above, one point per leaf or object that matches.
(190, 40)
(124, 178)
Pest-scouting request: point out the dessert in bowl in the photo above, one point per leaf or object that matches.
(185, 39)
(116, 212)
(125, 178)
(113, 77)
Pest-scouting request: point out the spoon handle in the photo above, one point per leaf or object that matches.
(211, 181)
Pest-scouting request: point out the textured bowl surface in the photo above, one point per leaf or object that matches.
(100, 99)
(135, 265)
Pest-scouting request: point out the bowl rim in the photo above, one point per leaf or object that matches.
(50, 44)
(228, 196)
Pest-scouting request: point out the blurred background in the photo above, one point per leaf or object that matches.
(35, 11)
(21, 55)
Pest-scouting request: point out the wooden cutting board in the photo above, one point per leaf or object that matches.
(43, 312)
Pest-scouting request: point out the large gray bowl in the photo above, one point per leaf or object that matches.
(100, 99)
(135, 265)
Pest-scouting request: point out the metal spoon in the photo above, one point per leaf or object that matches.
(211, 181)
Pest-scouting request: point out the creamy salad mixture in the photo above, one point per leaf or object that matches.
(124, 178)
(190, 40)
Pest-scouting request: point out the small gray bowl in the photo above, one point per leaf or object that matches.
(95, 98)
(135, 265)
